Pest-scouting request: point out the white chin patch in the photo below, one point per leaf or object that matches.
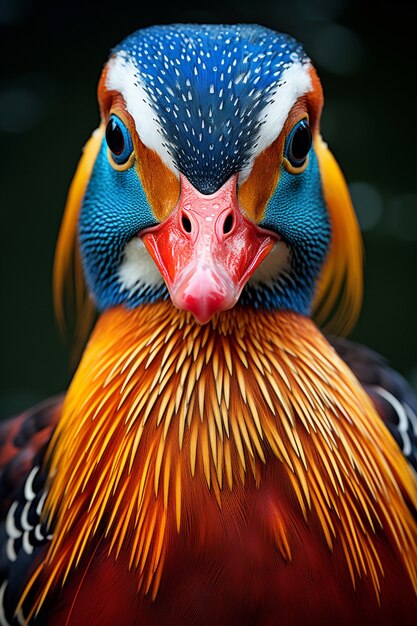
(137, 270)
(275, 264)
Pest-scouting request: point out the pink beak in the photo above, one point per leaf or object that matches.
(206, 250)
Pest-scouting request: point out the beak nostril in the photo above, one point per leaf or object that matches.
(186, 223)
(228, 224)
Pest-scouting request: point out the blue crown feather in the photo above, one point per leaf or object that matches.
(208, 86)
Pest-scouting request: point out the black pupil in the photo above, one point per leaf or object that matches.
(114, 137)
(301, 143)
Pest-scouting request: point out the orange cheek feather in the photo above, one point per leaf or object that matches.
(255, 192)
(161, 185)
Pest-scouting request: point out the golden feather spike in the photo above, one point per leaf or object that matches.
(167, 477)
(204, 450)
(213, 441)
(178, 496)
(193, 446)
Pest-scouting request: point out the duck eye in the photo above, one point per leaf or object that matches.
(118, 140)
(298, 144)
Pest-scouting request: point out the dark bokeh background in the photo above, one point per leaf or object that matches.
(51, 58)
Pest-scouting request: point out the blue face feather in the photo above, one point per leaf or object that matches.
(210, 90)
(114, 210)
(297, 211)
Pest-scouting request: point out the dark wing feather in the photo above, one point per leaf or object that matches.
(23, 533)
(394, 399)
(21, 439)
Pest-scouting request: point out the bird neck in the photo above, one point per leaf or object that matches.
(163, 410)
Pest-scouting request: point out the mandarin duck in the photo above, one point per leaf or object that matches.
(216, 459)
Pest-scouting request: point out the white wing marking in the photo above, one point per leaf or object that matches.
(29, 493)
(402, 417)
(11, 530)
(3, 620)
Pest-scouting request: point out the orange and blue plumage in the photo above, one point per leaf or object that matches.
(215, 460)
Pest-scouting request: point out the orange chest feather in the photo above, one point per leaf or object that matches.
(192, 454)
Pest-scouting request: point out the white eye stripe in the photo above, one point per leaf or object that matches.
(122, 76)
(295, 82)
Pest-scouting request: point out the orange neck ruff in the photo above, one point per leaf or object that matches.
(161, 406)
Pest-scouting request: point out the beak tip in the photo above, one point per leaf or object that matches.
(201, 300)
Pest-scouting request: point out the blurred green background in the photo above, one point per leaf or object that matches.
(51, 58)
